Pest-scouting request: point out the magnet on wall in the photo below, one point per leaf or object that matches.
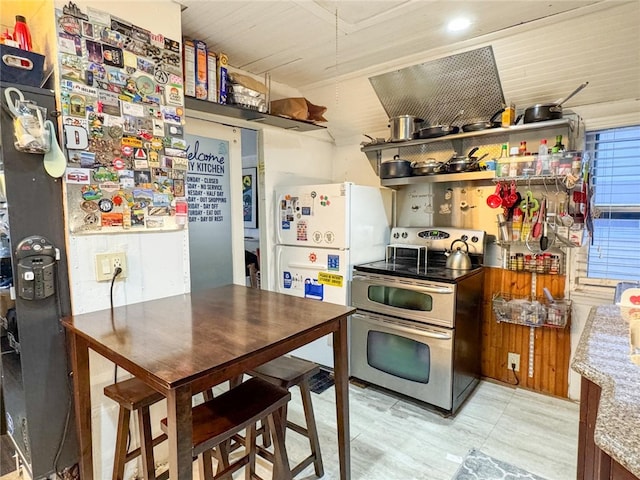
(77, 137)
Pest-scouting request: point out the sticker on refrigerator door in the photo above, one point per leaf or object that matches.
(301, 231)
(333, 262)
(286, 225)
(313, 289)
(330, 279)
(287, 281)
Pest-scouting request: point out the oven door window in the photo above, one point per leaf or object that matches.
(399, 356)
(401, 298)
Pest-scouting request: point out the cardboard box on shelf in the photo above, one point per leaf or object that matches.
(189, 65)
(212, 67)
(201, 69)
(223, 61)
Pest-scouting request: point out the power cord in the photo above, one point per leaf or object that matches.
(116, 273)
(513, 369)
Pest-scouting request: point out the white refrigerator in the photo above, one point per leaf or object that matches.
(321, 232)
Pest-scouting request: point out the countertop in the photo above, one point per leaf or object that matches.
(603, 357)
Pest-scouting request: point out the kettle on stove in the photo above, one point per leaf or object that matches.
(458, 260)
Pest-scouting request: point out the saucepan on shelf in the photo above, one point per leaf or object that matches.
(548, 111)
(463, 163)
(429, 166)
(494, 122)
(434, 131)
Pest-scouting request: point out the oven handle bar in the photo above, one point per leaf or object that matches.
(407, 285)
(422, 332)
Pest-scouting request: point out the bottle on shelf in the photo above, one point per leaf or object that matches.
(513, 163)
(542, 164)
(503, 165)
(516, 226)
(21, 33)
(522, 151)
(559, 144)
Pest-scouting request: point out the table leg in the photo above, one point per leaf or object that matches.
(82, 402)
(341, 372)
(180, 431)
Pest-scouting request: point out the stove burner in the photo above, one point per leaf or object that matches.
(419, 253)
(410, 270)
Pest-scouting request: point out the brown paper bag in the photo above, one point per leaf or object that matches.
(298, 108)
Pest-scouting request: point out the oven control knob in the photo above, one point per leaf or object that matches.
(474, 239)
(464, 238)
(396, 235)
(405, 234)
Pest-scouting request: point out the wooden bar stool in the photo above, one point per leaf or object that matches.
(287, 372)
(216, 421)
(134, 395)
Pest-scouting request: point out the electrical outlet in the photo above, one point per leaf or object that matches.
(513, 359)
(106, 264)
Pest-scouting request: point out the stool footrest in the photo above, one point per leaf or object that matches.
(136, 451)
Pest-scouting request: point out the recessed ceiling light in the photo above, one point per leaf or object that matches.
(458, 24)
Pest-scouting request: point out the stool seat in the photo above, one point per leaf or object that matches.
(221, 418)
(134, 395)
(287, 372)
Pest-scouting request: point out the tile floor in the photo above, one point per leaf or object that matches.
(395, 439)
(392, 438)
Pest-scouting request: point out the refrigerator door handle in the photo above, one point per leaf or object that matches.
(278, 268)
(278, 222)
(308, 266)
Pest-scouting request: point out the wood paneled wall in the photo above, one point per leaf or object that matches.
(552, 346)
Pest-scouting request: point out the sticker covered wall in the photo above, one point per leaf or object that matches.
(122, 102)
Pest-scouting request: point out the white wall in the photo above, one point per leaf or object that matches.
(286, 159)
(158, 262)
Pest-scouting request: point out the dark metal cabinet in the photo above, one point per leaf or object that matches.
(36, 385)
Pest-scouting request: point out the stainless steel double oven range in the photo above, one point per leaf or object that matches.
(417, 329)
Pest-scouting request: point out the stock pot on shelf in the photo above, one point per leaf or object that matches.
(396, 168)
(403, 127)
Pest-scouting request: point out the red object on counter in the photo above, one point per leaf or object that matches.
(21, 33)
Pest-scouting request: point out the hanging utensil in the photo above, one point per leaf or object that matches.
(495, 200)
(55, 163)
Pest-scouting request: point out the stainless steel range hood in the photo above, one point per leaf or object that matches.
(437, 90)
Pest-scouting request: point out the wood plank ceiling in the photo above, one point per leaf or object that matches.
(295, 40)
(543, 50)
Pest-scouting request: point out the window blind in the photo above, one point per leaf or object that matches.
(614, 253)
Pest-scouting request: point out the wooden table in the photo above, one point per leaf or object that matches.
(185, 344)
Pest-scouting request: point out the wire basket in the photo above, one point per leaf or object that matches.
(534, 312)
